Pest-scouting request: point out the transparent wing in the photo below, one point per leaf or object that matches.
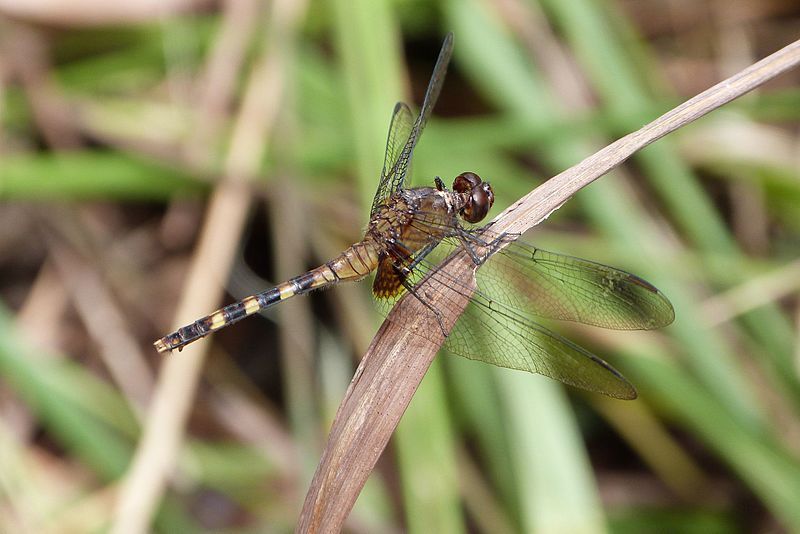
(399, 133)
(555, 286)
(396, 162)
(546, 284)
(493, 332)
(522, 283)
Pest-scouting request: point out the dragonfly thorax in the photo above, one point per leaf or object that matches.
(412, 217)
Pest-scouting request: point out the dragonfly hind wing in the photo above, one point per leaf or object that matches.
(492, 332)
(388, 281)
(495, 336)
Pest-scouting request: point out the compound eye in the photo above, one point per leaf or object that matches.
(480, 200)
(465, 182)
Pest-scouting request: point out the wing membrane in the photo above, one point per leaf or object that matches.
(555, 286)
(399, 132)
(396, 162)
(495, 334)
(546, 284)
(492, 332)
(515, 287)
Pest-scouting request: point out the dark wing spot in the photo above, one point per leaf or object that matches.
(388, 280)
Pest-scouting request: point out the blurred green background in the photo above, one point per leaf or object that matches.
(123, 127)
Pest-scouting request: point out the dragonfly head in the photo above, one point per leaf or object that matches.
(478, 196)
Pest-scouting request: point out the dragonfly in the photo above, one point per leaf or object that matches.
(516, 285)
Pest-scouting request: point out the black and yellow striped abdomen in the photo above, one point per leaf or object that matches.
(353, 264)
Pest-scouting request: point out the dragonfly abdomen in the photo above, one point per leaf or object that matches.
(353, 264)
(223, 317)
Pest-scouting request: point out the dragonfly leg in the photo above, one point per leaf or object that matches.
(418, 257)
(436, 313)
(498, 242)
(473, 238)
(406, 268)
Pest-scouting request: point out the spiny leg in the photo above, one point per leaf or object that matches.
(436, 313)
(405, 270)
(491, 246)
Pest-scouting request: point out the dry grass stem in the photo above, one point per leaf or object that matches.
(752, 294)
(229, 205)
(397, 359)
(85, 13)
(105, 321)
